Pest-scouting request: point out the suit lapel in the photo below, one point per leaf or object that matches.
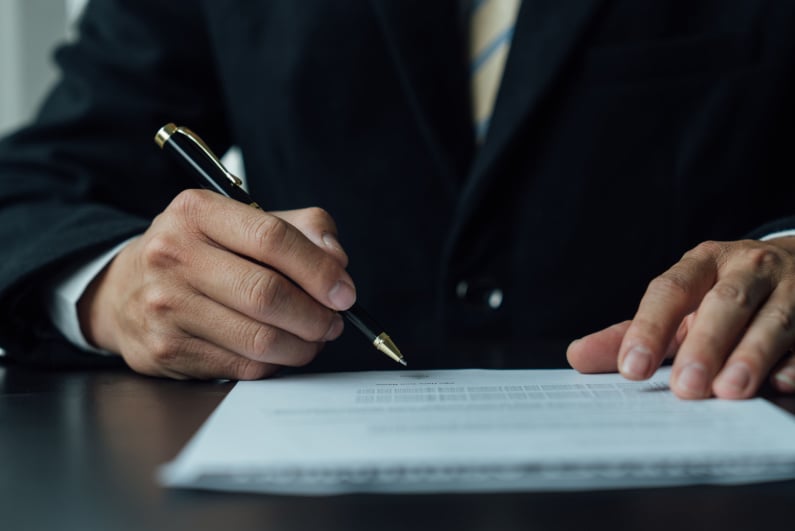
(546, 33)
(426, 42)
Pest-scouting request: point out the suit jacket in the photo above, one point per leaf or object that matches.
(624, 132)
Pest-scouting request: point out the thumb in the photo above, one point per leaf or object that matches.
(597, 352)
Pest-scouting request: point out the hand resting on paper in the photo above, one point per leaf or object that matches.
(725, 312)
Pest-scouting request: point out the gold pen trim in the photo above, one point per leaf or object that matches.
(164, 133)
(170, 129)
(385, 344)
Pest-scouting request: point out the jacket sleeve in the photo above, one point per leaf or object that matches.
(86, 173)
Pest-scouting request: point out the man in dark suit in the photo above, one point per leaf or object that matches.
(622, 134)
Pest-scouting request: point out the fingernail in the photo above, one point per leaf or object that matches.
(330, 241)
(335, 329)
(786, 377)
(693, 380)
(342, 295)
(637, 362)
(736, 376)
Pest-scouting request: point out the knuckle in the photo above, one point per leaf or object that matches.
(710, 248)
(265, 293)
(764, 258)
(158, 300)
(729, 293)
(671, 283)
(261, 340)
(781, 317)
(161, 250)
(271, 233)
(189, 203)
(163, 351)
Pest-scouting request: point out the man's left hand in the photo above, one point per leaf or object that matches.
(725, 311)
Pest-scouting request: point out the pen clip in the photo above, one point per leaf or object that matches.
(170, 129)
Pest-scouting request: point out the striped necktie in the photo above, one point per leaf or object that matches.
(491, 32)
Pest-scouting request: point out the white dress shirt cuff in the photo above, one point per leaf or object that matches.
(779, 234)
(63, 299)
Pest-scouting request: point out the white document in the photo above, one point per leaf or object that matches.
(478, 430)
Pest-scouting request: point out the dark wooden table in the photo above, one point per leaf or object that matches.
(79, 449)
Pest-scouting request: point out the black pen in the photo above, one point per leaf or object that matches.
(194, 154)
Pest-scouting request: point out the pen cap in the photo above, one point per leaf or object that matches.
(192, 153)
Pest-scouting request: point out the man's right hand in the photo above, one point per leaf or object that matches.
(218, 289)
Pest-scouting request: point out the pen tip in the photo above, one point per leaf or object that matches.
(388, 347)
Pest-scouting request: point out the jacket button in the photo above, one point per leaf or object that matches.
(480, 292)
(494, 298)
